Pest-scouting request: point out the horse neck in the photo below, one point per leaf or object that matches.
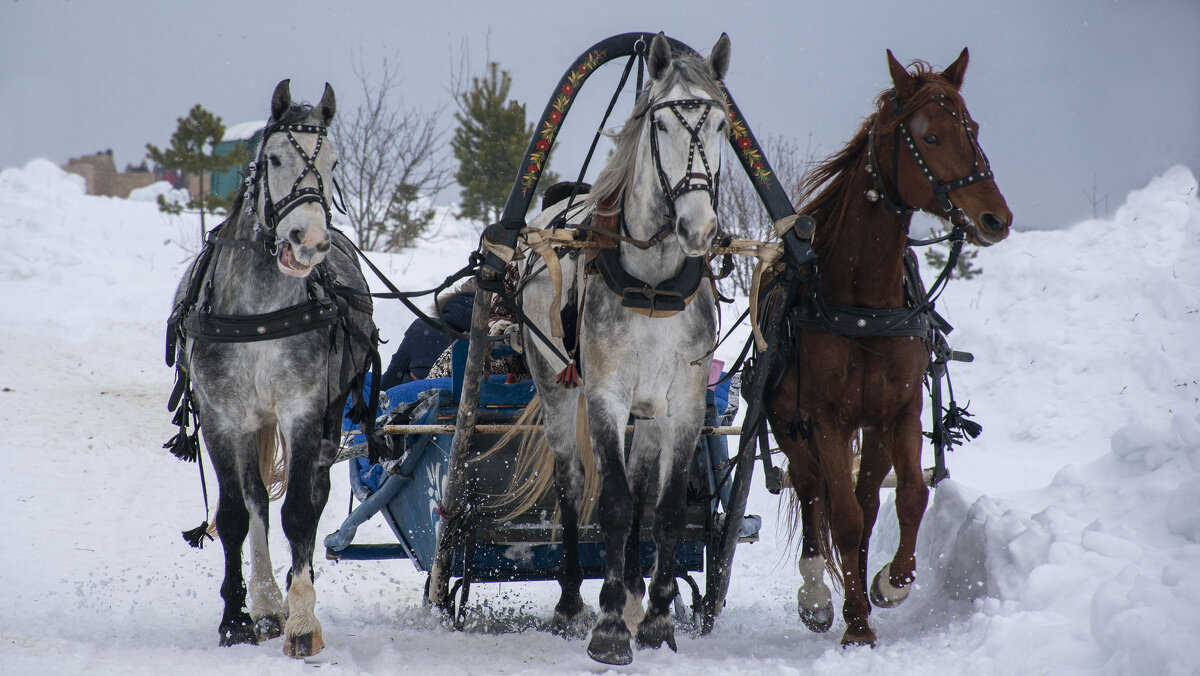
(862, 255)
(248, 281)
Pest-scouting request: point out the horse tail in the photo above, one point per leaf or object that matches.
(272, 461)
(533, 469)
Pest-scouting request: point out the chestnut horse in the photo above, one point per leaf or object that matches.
(918, 151)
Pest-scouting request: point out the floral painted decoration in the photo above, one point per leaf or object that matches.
(562, 101)
(752, 157)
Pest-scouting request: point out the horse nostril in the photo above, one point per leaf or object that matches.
(296, 236)
(992, 222)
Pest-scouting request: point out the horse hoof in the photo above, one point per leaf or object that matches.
(610, 643)
(818, 620)
(268, 627)
(883, 594)
(854, 638)
(612, 651)
(571, 626)
(238, 631)
(305, 645)
(652, 633)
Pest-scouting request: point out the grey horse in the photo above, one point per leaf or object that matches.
(642, 353)
(273, 331)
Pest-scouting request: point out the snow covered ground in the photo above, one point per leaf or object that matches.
(1067, 541)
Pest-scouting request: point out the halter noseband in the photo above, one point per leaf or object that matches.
(692, 179)
(942, 190)
(275, 211)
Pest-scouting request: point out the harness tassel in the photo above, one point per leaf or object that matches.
(569, 377)
(195, 537)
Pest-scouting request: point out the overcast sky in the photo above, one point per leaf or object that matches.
(1066, 92)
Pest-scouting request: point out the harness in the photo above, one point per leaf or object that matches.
(328, 305)
(670, 296)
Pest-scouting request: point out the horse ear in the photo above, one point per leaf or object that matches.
(901, 79)
(660, 56)
(957, 70)
(328, 104)
(718, 59)
(281, 100)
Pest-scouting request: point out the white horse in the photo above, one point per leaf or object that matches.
(272, 334)
(645, 336)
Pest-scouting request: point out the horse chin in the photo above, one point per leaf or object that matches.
(975, 236)
(288, 264)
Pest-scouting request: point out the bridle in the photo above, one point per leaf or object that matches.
(982, 170)
(695, 177)
(266, 232)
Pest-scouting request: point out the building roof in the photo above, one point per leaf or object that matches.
(243, 131)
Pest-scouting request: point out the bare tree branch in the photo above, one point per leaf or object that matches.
(389, 167)
(741, 213)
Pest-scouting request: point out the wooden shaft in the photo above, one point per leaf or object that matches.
(453, 499)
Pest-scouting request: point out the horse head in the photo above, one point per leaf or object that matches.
(935, 157)
(684, 117)
(295, 164)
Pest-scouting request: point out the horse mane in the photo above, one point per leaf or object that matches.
(827, 191)
(688, 69)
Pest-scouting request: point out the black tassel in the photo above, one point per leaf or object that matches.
(195, 537)
(184, 446)
(958, 426)
(799, 427)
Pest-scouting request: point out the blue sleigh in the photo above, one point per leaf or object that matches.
(407, 495)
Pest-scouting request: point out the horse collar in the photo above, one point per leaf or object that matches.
(664, 299)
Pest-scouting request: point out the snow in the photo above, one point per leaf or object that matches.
(1067, 540)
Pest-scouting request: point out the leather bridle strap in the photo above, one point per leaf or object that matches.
(982, 171)
(693, 178)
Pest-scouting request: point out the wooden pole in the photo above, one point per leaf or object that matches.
(454, 502)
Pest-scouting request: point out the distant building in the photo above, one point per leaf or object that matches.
(224, 183)
(102, 178)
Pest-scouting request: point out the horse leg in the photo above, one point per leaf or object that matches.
(669, 516)
(233, 522)
(894, 581)
(814, 603)
(266, 602)
(610, 637)
(308, 489)
(845, 524)
(874, 466)
(570, 610)
(560, 408)
(635, 582)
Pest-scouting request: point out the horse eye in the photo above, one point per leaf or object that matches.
(721, 126)
(274, 160)
(931, 139)
(659, 125)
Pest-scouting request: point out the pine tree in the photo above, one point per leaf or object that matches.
(192, 153)
(489, 145)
